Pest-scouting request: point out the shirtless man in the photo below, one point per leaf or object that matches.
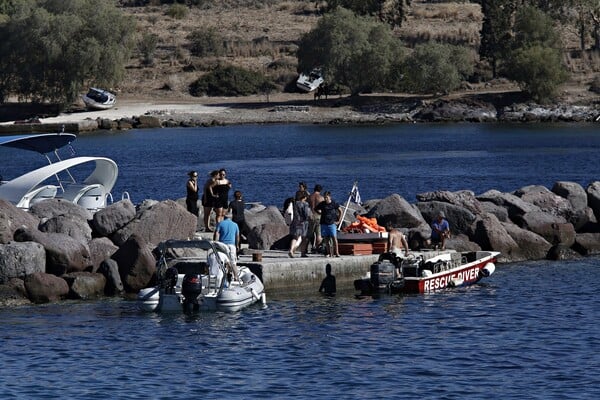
(396, 240)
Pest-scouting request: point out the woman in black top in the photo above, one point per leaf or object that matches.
(191, 200)
(221, 190)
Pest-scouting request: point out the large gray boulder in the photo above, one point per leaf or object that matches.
(269, 237)
(459, 218)
(587, 243)
(461, 242)
(114, 217)
(13, 293)
(514, 205)
(72, 225)
(257, 216)
(18, 260)
(137, 265)
(531, 246)
(101, 249)
(158, 222)
(63, 253)
(540, 222)
(85, 285)
(110, 269)
(45, 288)
(463, 198)
(593, 197)
(546, 200)
(500, 212)
(576, 195)
(12, 218)
(54, 207)
(490, 234)
(396, 210)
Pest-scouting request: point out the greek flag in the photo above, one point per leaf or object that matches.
(356, 195)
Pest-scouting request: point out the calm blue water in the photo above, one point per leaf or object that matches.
(530, 331)
(267, 162)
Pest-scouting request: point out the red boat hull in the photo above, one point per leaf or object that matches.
(466, 274)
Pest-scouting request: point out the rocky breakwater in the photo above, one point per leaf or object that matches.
(58, 250)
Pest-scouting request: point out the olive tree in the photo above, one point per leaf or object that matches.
(52, 48)
(535, 60)
(437, 68)
(354, 51)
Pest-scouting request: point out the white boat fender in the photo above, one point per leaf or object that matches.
(263, 298)
(488, 269)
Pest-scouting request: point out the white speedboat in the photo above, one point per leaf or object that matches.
(57, 179)
(311, 81)
(99, 99)
(193, 276)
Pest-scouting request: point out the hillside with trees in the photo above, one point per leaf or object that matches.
(52, 50)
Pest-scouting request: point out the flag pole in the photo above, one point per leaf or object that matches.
(354, 187)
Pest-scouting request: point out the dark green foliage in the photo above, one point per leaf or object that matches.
(496, 30)
(352, 50)
(231, 81)
(437, 68)
(206, 42)
(177, 11)
(52, 48)
(392, 12)
(535, 59)
(147, 46)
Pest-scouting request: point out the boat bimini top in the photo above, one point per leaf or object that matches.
(47, 182)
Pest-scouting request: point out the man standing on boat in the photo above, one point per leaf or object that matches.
(228, 233)
(396, 240)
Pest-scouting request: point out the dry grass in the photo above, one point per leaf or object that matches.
(262, 35)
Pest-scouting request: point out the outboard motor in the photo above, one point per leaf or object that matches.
(191, 289)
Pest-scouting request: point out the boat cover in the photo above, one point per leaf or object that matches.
(42, 143)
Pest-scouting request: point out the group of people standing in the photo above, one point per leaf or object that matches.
(315, 220)
(215, 196)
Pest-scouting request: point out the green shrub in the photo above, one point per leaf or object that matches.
(177, 11)
(206, 42)
(147, 46)
(231, 81)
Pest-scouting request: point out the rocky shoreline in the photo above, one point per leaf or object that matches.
(59, 250)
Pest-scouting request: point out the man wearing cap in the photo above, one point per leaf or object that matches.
(440, 230)
(228, 233)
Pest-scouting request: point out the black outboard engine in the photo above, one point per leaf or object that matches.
(191, 289)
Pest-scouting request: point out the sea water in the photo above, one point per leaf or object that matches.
(528, 331)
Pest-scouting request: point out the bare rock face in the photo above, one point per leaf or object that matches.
(398, 211)
(460, 218)
(576, 195)
(562, 252)
(63, 253)
(269, 236)
(546, 200)
(463, 198)
(137, 265)
(112, 218)
(158, 222)
(100, 250)
(540, 222)
(110, 269)
(500, 212)
(461, 242)
(13, 293)
(593, 197)
(587, 243)
(44, 288)
(514, 205)
(531, 245)
(490, 234)
(54, 207)
(12, 218)
(71, 225)
(257, 216)
(85, 285)
(18, 260)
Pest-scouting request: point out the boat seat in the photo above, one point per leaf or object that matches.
(38, 194)
(91, 197)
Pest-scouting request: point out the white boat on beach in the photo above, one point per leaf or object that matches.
(426, 271)
(99, 99)
(193, 276)
(57, 179)
(311, 81)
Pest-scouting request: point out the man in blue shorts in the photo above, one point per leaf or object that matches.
(331, 212)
